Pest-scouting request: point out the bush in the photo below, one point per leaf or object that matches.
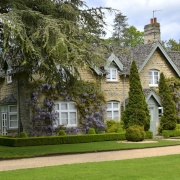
(23, 135)
(113, 126)
(177, 126)
(91, 131)
(171, 133)
(149, 135)
(135, 133)
(62, 133)
(53, 140)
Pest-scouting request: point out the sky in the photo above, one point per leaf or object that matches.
(139, 13)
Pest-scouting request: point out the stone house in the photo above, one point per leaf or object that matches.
(151, 59)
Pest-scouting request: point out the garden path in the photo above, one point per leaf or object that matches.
(86, 157)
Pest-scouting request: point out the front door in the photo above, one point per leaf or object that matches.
(152, 120)
(4, 123)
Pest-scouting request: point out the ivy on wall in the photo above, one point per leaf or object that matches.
(89, 99)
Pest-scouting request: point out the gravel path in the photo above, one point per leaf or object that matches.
(87, 157)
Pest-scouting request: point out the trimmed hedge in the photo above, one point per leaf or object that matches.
(53, 140)
(170, 133)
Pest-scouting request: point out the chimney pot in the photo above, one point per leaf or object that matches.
(151, 21)
(155, 20)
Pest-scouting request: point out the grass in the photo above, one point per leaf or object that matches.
(158, 168)
(34, 151)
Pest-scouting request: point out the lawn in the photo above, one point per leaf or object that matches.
(158, 168)
(32, 151)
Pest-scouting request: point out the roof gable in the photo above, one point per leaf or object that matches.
(150, 93)
(158, 45)
(114, 59)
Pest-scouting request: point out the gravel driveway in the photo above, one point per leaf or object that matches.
(86, 157)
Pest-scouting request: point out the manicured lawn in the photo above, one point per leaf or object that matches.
(157, 168)
(32, 151)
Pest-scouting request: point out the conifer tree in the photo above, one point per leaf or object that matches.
(136, 112)
(39, 35)
(169, 118)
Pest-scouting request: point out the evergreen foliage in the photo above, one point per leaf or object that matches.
(136, 112)
(120, 25)
(39, 35)
(169, 119)
(135, 133)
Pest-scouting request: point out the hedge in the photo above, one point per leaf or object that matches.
(170, 133)
(53, 140)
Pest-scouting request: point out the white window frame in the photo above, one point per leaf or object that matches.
(112, 110)
(59, 112)
(12, 114)
(109, 77)
(152, 78)
(9, 76)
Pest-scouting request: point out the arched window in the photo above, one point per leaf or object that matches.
(113, 110)
(153, 77)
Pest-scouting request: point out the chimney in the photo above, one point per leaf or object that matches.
(152, 31)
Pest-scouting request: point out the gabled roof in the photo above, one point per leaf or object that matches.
(151, 93)
(142, 53)
(112, 58)
(9, 100)
(158, 45)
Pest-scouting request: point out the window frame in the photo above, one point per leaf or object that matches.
(9, 76)
(68, 111)
(110, 71)
(152, 77)
(12, 114)
(112, 110)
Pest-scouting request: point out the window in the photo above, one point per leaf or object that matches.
(9, 76)
(13, 120)
(153, 77)
(112, 74)
(66, 113)
(113, 110)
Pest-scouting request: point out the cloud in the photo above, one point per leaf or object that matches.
(139, 13)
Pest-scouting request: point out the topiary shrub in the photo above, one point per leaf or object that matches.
(135, 133)
(23, 135)
(91, 131)
(62, 133)
(113, 126)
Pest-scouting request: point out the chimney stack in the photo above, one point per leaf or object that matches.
(152, 31)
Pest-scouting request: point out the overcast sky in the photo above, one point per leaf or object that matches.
(139, 13)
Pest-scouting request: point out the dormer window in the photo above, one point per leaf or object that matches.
(112, 74)
(153, 77)
(9, 76)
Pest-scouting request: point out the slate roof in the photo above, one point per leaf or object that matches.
(175, 56)
(140, 54)
(9, 100)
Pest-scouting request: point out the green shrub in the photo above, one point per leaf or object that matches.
(171, 133)
(62, 133)
(91, 131)
(177, 126)
(149, 135)
(53, 140)
(23, 135)
(135, 133)
(113, 126)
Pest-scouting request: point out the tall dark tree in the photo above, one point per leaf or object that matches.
(120, 25)
(169, 118)
(39, 35)
(136, 112)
